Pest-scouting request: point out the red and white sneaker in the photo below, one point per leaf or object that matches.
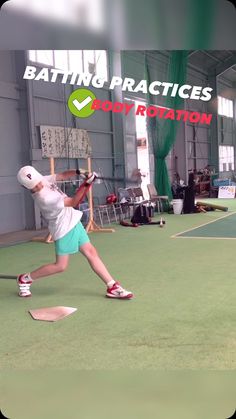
(116, 291)
(24, 281)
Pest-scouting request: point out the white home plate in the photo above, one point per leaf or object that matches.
(52, 314)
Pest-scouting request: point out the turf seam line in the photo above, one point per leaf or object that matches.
(206, 238)
(201, 225)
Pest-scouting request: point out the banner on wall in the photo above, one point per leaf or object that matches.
(226, 192)
(61, 142)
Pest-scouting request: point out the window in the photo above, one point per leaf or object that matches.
(41, 56)
(226, 158)
(225, 107)
(79, 61)
(101, 64)
(61, 60)
(89, 61)
(76, 61)
(95, 62)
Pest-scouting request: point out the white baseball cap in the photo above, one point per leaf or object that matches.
(29, 177)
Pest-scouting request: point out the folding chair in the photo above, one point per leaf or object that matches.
(125, 197)
(154, 197)
(101, 210)
(138, 196)
(117, 210)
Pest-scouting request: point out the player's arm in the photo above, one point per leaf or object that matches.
(81, 192)
(76, 199)
(68, 174)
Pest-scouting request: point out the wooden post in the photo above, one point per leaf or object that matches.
(52, 166)
(92, 226)
(52, 171)
(48, 238)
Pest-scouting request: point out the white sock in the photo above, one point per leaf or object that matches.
(111, 283)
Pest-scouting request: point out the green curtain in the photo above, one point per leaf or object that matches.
(162, 132)
(201, 25)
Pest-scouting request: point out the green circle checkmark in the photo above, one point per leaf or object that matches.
(80, 102)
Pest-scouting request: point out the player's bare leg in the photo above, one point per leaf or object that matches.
(24, 281)
(114, 290)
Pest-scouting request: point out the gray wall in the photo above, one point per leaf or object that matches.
(16, 210)
(197, 143)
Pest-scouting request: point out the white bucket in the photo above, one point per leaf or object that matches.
(177, 206)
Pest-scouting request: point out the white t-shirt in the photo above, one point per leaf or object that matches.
(50, 200)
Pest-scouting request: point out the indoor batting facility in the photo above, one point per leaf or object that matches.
(136, 151)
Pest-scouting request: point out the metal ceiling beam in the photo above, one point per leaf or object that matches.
(228, 63)
(226, 81)
(199, 70)
(193, 52)
(211, 56)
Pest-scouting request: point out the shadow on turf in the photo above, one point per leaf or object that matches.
(88, 293)
(37, 293)
(49, 291)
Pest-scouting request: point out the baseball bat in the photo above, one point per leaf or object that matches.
(116, 179)
(2, 276)
(108, 178)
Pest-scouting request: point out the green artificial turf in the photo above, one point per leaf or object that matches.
(223, 228)
(182, 316)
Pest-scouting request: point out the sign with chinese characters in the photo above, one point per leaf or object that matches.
(60, 142)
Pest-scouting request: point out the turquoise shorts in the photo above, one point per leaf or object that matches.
(71, 242)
